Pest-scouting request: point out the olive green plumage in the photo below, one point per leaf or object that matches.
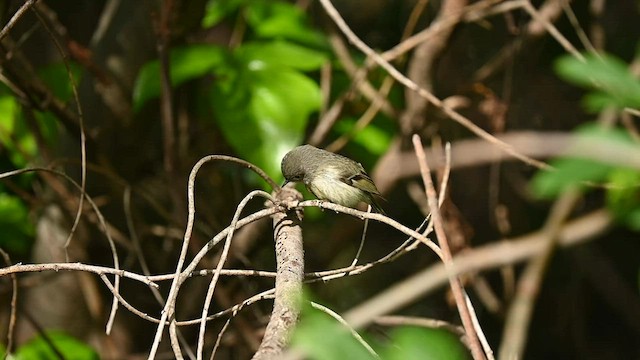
(330, 176)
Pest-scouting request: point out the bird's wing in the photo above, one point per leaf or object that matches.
(363, 182)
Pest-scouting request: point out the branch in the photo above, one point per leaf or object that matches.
(492, 255)
(438, 224)
(290, 265)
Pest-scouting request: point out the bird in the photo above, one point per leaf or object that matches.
(331, 177)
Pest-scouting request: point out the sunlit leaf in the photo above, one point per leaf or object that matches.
(571, 171)
(424, 343)
(282, 53)
(263, 111)
(321, 337)
(69, 347)
(607, 76)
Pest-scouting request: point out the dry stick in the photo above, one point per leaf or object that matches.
(169, 309)
(219, 337)
(83, 169)
(493, 255)
(137, 249)
(83, 148)
(221, 261)
(456, 286)
(410, 84)
(14, 19)
(55, 267)
(372, 216)
(290, 267)
(267, 294)
(519, 314)
(397, 320)
(101, 220)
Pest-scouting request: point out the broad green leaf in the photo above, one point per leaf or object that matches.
(281, 20)
(281, 53)
(70, 348)
(17, 229)
(609, 78)
(426, 344)
(185, 63)
(216, 10)
(263, 112)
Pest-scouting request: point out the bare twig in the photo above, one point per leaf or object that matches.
(493, 255)
(520, 311)
(216, 273)
(22, 268)
(169, 308)
(16, 16)
(438, 223)
(410, 84)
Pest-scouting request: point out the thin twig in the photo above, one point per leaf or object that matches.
(216, 273)
(495, 254)
(410, 84)
(438, 223)
(16, 16)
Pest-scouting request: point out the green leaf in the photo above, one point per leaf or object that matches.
(373, 138)
(17, 229)
(321, 337)
(15, 137)
(281, 20)
(572, 171)
(56, 77)
(569, 172)
(216, 10)
(70, 348)
(263, 111)
(623, 196)
(185, 63)
(609, 78)
(281, 53)
(424, 343)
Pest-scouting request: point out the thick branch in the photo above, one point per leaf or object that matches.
(290, 273)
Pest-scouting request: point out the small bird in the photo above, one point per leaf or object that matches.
(330, 177)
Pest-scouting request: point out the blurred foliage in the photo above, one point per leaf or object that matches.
(609, 79)
(321, 337)
(68, 347)
(17, 228)
(19, 148)
(262, 97)
(612, 85)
